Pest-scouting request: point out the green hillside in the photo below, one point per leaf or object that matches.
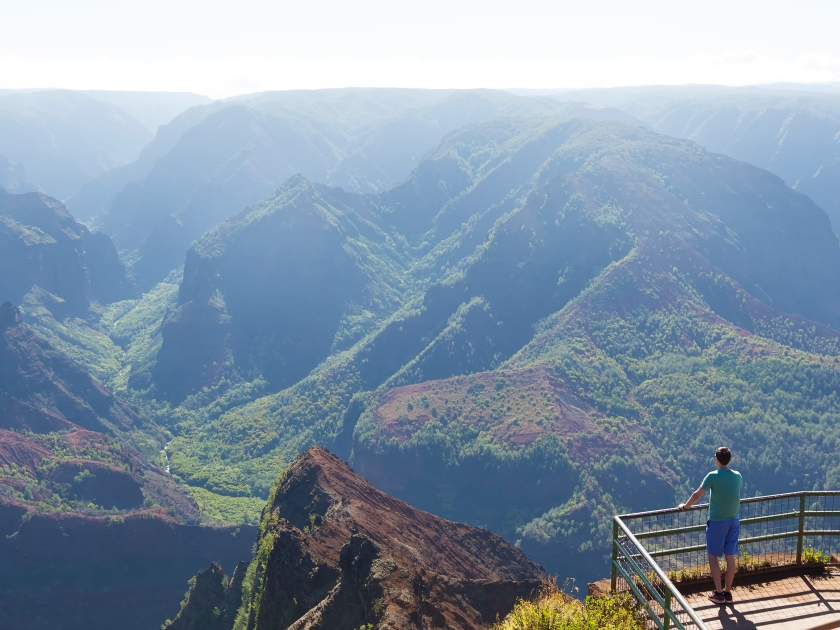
(545, 323)
(792, 133)
(215, 159)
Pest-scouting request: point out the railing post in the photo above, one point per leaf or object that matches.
(666, 620)
(801, 531)
(613, 573)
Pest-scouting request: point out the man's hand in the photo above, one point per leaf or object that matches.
(692, 500)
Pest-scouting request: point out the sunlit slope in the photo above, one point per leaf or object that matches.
(791, 134)
(690, 253)
(574, 311)
(231, 154)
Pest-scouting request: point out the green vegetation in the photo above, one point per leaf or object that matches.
(39, 489)
(89, 346)
(556, 610)
(550, 321)
(252, 584)
(217, 509)
(815, 557)
(120, 340)
(696, 384)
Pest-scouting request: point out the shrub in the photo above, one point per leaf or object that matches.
(556, 610)
(815, 557)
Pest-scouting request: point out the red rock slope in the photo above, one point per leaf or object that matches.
(337, 553)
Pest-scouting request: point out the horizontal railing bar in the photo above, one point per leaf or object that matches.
(661, 533)
(812, 513)
(821, 532)
(791, 495)
(771, 517)
(699, 528)
(746, 541)
(768, 497)
(635, 515)
(678, 551)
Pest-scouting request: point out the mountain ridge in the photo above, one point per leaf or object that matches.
(791, 132)
(640, 182)
(361, 139)
(630, 288)
(334, 551)
(45, 250)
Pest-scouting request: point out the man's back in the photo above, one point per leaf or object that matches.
(725, 486)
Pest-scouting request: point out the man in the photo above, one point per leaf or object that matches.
(723, 526)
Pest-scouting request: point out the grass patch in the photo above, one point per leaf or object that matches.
(747, 562)
(218, 509)
(554, 609)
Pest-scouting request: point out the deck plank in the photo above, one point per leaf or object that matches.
(795, 603)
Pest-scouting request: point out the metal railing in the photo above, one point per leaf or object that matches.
(651, 550)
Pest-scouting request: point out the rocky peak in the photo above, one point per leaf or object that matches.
(319, 487)
(335, 552)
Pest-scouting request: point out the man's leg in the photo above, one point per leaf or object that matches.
(714, 567)
(730, 550)
(730, 572)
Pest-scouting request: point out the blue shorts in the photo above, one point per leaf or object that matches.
(722, 537)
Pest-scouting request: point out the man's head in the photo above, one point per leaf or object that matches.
(723, 456)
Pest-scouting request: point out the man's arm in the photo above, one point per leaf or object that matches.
(694, 498)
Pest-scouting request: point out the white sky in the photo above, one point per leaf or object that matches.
(222, 48)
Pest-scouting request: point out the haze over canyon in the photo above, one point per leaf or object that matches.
(395, 356)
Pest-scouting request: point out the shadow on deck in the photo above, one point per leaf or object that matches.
(804, 602)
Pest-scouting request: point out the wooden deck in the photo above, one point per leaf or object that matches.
(806, 602)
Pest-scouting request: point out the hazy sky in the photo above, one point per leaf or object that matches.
(221, 48)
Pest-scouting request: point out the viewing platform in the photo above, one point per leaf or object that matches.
(788, 569)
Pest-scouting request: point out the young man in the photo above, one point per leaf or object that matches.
(723, 526)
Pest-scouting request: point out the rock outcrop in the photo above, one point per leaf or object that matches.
(213, 600)
(334, 552)
(42, 245)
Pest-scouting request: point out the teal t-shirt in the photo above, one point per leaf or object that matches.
(725, 501)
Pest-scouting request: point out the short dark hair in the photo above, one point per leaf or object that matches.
(723, 455)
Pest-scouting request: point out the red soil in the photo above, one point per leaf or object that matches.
(340, 545)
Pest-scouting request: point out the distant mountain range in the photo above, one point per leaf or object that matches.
(518, 313)
(784, 129)
(232, 154)
(57, 140)
(218, 158)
